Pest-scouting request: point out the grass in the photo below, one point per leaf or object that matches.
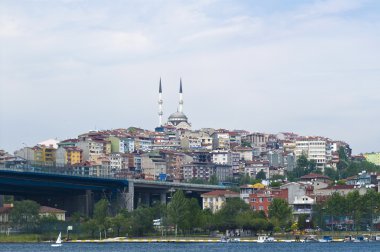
(20, 238)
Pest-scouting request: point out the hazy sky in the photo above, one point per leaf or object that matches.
(310, 67)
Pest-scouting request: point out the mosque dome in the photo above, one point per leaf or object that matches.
(177, 117)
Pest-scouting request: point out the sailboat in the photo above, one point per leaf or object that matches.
(58, 242)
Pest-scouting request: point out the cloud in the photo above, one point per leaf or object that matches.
(310, 67)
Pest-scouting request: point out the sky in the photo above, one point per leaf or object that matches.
(309, 67)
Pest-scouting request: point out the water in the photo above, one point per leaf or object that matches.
(192, 247)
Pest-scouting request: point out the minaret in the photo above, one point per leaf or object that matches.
(160, 113)
(180, 108)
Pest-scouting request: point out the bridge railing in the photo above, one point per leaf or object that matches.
(61, 170)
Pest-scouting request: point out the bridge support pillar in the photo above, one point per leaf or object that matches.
(130, 196)
(163, 198)
(147, 199)
(89, 203)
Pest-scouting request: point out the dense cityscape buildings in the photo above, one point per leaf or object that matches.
(175, 152)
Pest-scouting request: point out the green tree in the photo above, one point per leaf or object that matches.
(193, 218)
(213, 180)
(246, 144)
(177, 210)
(207, 220)
(280, 211)
(101, 214)
(261, 175)
(226, 216)
(90, 227)
(119, 223)
(302, 162)
(25, 214)
(141, 221)
(304, 222)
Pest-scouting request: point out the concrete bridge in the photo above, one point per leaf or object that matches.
(77, 193)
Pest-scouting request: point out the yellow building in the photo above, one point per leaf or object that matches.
(73, 155)
(214, 200)
(44, 154)
(46, 211)
(373, 157)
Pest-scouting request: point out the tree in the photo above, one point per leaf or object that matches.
(177, 210)
(246, 144)
(193, 218)
(207, 219)
(225, 217)
(142, 221)
(280, 211)
(304, 222)
(213, 180)
(261, 175)
(100, 214)
(119, 222)
(90, 227)
(302, 162)
(25, 214)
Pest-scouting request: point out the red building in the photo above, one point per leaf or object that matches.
(261, 200)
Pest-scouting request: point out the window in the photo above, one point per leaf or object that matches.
(261, 199)
(261, 208)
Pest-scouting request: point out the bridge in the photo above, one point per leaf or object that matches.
(64, 189)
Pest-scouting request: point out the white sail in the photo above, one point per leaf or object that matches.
(59, 240)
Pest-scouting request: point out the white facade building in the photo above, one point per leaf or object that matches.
(317, 149)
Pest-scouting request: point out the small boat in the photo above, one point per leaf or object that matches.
(225, 239)
(325, 239)
(348, 238)
(58, 242)
(361, 239)
(311, 238)
(264, 239)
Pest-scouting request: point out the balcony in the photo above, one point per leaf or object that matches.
(302, 211)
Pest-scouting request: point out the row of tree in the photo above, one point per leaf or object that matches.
(351, 212)
(184, 216)
(25, 217)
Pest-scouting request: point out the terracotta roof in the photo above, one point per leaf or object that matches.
(220, 193)
(339, 187)
(46, 209)
(5, 209)
(314, 175)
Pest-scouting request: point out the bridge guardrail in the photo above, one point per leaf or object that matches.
(54, 170)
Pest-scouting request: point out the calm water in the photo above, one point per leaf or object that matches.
(192, 247)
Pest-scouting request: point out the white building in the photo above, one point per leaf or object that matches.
(221, 157)
(315, 148)
(220, 140)
(25, 153)
(115, 162)
(92, 150)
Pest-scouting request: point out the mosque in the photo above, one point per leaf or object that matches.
(178, 119)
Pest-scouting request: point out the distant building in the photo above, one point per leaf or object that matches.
(68, 156)
(46, 211)
(26, 153)
(303, 205)
(317, 149)
(215, 200)
(373, 157)
(221, 140)
(44, 154)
